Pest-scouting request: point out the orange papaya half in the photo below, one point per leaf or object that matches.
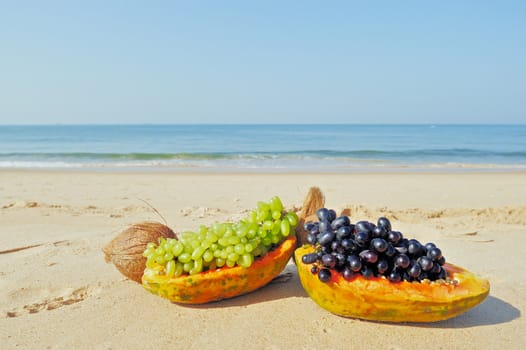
(222, 283)
(378, 299)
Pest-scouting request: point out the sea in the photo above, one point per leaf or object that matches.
(265, 148)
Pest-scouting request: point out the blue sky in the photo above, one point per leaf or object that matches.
(262, 62)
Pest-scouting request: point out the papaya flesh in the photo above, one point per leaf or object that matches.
(378, 299)
(222, 283)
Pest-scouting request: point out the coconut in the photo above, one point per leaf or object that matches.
(126, 249)
(313, 201)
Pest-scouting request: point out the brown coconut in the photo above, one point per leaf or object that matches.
(126, 249)
(313, 201)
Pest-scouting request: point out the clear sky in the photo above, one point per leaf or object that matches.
(262, 62)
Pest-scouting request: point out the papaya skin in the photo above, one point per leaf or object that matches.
(378, 299)
(222, 283)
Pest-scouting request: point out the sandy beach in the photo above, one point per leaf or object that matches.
(57, 292)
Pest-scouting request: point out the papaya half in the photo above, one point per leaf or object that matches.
(221, 283)
(379, 299)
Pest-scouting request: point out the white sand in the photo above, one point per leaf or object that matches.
(61, 294)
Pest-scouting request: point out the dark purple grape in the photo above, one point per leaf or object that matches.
(423, 276)
(401, 250)
(362, 238)
(340, 222)
(332, 215)
(309, 258)
(394, 236)
(343, 232)
(379, 244)
(355, 263)
(314, 269)
(308, 226)
(434, 253)
(429, 245)
(367, 272)
(394, 276)
(322, 214)
(326, 238)
(402, 261)
(385, 223)
(324, 275)
(441, 261)
(435, 269)
(382, 266)
(363, 226)
(414, 271)
(325, 226)
(442, 275)
(340, 259)
(425, 263)
(328, 260)
(315, 230)
(348, 244)
(335, 245)
(369, 256)
(390, 251)
(379, 232)
(347, 273)
(415, 248)
(311, 238)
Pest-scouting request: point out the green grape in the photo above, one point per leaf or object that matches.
(223, 241)
(198, 253)
(233, 240)
(249, 248)
(208, 256)
(266, 241)
(232, 257)
(252, 216)
(159, 259)
(239, 249)
(188, 266)
(220, 262)
(277, 228)
(177, 248)
(185, 257)
(170, 268)
(285, 228)
(292, 217)
(268, 224)
(150, 262)
(275, 204)
(179, 269)
(245, 260)
(197, 268)
(223, 244)
(262, 233)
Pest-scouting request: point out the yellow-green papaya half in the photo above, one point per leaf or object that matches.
(378, 299)
(223, 283)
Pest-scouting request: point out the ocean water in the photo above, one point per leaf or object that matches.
(264, 147)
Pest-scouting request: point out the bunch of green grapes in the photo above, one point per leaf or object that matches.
(223, 244)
